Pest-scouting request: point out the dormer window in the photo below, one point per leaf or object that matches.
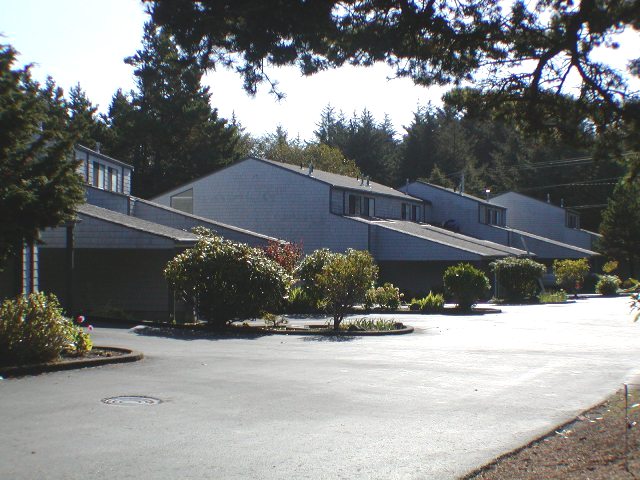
(410, 212)
(112, 180)
(573, 220)
(491, 215)
(361, 206)
(98, 175)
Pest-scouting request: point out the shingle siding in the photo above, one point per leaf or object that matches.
(545, 220)
(172, 218)
(96, 233)
(257, 196)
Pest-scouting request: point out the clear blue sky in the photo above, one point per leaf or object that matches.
(85, 41)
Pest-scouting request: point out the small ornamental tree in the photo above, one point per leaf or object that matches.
(287, 255)
(307, 271)
(570, 274)
(518, 277)
(465, 284)
(224, 280)
(344, 281)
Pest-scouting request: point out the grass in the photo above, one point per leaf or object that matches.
(553, 297)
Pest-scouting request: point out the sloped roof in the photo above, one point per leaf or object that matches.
(442, 236)
(206, 220)
(464, 195)
(342, 181)
(103, 156)
(137, 224)
(550, 241)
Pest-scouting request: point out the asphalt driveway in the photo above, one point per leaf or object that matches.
(433, 404)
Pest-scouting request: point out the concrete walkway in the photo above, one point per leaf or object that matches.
(433, 404)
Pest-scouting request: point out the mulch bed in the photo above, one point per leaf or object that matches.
(590, 447)
(97, 356)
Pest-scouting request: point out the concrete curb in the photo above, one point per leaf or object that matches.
(23, 370)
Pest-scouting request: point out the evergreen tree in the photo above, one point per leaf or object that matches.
(166, 128)
(88, 127)
(620, 227)
(279, 148)
(417, 155)
(437, 177)
(39, 186)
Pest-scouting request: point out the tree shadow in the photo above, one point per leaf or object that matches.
(195, 334)
(330, 338)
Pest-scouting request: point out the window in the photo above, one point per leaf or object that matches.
(112, 179)
(98, 175)
(183, 201)
(354, 204)
(491, 216)
(573, 220)
(410, 212)
(359, 205)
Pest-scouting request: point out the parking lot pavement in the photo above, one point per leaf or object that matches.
(433, 404)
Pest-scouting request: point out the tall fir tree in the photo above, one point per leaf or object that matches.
(620, 227)
(89, 128)
(166, 127)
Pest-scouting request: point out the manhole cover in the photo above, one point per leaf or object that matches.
(131, 400)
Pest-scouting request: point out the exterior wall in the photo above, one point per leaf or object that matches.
(111, 283)
(446, 205)
(95, 233)
(85, 169)
(384, 206)
(416, 279)
(172, 218)
(116, 202)
(387, 245)
(545, 220)
(273, 201)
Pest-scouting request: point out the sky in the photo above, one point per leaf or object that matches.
(86, 41)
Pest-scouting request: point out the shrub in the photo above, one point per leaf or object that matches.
(287, 255)
(465, 284)
(307, 271)
(344, 281)
(630, 284)
(224, 280)
(300, 301)
(33, 329)
(517, 277)
(434, 302)
(553, 297)
(610, 266)
(570, 274)
(608, 285)
(387, 297)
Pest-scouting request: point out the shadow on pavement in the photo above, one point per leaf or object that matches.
(329, 338)
(186, 334)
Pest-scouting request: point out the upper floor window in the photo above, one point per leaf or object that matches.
(183, 201)
(112, 180)
(98, 175)
(491, 216)
(360, 205)
(573, 220)
(410, 212)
